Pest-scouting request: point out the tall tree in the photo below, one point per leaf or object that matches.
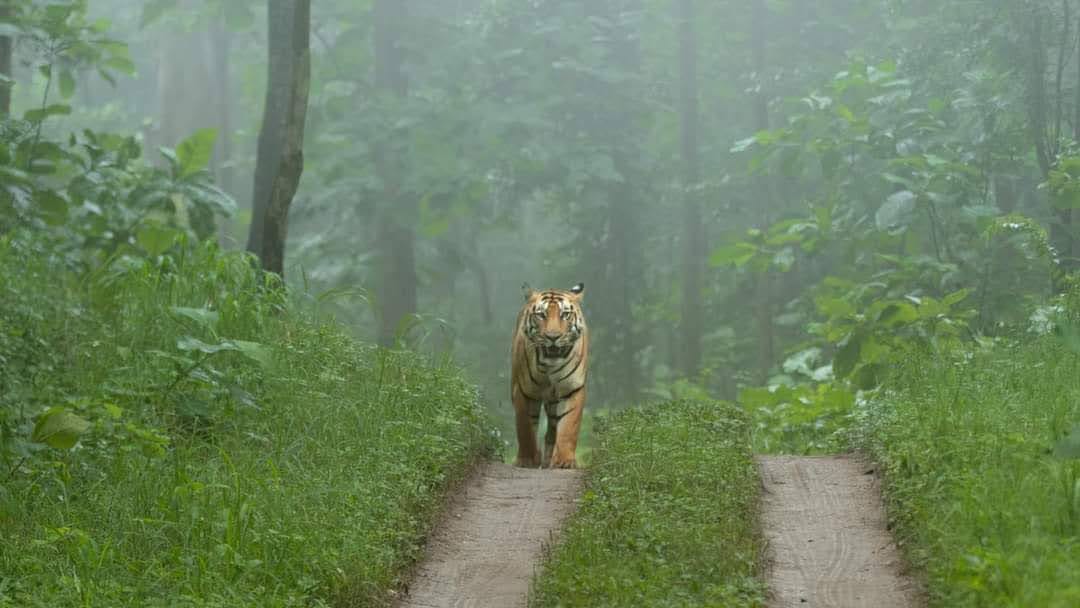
(693, 253)
(6, 48)
(396, 240)
(763, 305)
(1046, 109)
(280, 157)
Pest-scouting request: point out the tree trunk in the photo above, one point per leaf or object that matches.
(1043, 115)
(280, 157)
(693, 231)
(220, 53)
(396, 240)
(6, 49)
(763, 297)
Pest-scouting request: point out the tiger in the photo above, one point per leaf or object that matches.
(549, 365)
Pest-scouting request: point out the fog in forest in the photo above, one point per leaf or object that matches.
(755, 193)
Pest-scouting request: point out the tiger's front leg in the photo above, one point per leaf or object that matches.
(526, 417)
(564, 455)
(549, 439)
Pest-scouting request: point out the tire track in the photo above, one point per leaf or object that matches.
(828, 546)
(492, 538)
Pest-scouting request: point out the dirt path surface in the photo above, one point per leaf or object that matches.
(827, 542)
(484, 551)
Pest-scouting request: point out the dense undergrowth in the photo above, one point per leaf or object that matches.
(177, 433)
(668, 517)
(984, 492)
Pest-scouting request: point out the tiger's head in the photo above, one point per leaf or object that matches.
(553, 320)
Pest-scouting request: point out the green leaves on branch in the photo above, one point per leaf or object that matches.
(206, 320)
(866, 329)
(775, 249)
(38, 115)
(252, 350)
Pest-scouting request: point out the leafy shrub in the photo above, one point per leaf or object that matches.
(981, 485)
(175, 432)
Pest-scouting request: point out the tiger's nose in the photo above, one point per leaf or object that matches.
(551, 336)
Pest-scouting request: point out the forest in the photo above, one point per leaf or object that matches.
(261, 260)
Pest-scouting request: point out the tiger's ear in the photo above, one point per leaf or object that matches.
(578, 290)
(527, 291)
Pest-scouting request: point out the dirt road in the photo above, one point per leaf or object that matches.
(484, 551)
(827, 542)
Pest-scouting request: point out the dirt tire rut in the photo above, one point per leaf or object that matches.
(491, 538)
(827, 542)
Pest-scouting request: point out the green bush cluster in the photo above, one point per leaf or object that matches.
(982, 483)
(176, 433)
(668, 517)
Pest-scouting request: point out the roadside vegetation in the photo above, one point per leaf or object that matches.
(177, 432)
(668, 516)
(982, 473)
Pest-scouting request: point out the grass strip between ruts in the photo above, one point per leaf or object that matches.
(669, 515)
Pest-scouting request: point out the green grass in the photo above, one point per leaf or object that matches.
(303, 469)
(978, 497)
(668, 517)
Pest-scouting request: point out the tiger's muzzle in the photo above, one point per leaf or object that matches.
(556, 351)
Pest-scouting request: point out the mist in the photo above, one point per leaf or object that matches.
(727, 179)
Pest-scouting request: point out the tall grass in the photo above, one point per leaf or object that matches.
(979, 499)
(668, 517)
(239, 453)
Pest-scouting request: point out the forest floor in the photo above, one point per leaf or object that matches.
(492, 538)
(828, 545)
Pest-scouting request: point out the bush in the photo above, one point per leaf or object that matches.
(225, 449)
(984, 497)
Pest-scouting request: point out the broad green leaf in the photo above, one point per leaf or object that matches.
(847, 355)
(744, 144)
(156, 239)
(255, 351)
(898, 313)
(897, 212)
(203, 316)
(955, 297)
(834, 307)
(193, 154)
(40, 114)
(737, 254)
(59, 428)
(191, 343)
(121, 64)
(53, 206)
(67, 84)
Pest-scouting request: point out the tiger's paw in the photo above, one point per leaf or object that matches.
(526, 462)
(563, 463)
